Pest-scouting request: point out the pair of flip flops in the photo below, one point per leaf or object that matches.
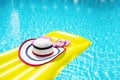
(42, 50)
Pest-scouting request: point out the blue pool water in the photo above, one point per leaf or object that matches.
(97, 20)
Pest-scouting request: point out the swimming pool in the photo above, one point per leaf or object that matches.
(97, 20)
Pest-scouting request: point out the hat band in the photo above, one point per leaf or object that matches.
(43, 55)
(42, 48)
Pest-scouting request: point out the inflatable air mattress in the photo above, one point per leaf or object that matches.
(13, 68)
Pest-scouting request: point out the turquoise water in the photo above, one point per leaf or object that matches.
(97, 20)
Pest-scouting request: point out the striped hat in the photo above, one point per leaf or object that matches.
(39, 51)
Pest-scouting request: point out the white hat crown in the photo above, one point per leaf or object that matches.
(42, 43)
(42, 46)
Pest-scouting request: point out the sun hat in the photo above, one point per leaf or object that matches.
(39, 51)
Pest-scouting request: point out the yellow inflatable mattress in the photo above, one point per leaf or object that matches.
(12, 68)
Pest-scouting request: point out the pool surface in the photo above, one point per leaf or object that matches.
(97, 20)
